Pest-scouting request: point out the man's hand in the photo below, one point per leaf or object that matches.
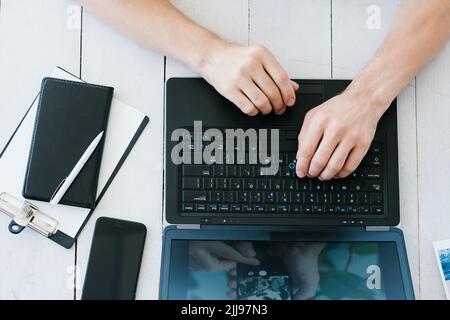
(248, 76)
(336, 135)
(214, 256)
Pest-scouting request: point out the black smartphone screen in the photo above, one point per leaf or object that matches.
(114, 260)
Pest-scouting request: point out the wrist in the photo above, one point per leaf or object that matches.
(372, 96)
(206, 54)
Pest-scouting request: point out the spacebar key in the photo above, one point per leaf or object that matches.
(195, 196)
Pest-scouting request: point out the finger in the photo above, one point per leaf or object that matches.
(232, 284)
(336, 161)
(232, 272)
(243, 103)
(322, 154)
(246, 248)
(202, 260)
(279, 75)
(295, 85)
(353, 160)
(270, 89)
(232, 294)
(308, 140)
(227, 252)
(256, 96)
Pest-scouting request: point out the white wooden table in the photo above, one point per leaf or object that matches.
(311, 38)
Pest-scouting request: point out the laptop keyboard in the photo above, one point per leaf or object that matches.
(241, 189)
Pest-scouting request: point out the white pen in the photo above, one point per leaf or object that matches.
(76, 170)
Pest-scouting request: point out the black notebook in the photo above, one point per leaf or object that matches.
(69, 116)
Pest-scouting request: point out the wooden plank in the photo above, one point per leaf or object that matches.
(297, 32)
(227, 18)
(35, 36)
(356, 36)
(433, 114)
(137, 74)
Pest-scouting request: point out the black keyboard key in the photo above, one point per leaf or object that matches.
(243, 196)
(364, 210)
(304, 184)
(219, 170)
(246, 170)
(200, 207)
(297, 197)
(363, 198)
(232, 170)
(317, 209)
(340, 209)
(290, 184)
(376, 209)
(337, 198)
(247, 208)
(196, 170)
(195, 196)
(213, 207)
(271, 208)
(307, 209)
(224, 208)
(235, 184)
(228, 196)
(222, 184)
(259, 208)
(376, 198)
(351, 198)
(282, 208)
(275, 184)
(270, 197)
(311, 197)
(316, 185)
(283, 197)
(236, 208)
(188, 207)
(192, 183)
(373, 172)
(249, 184)
(352, 209)
(296, 208)
(330, 209)
(262, 184)
(208, 183)
(287, 172)
(324, 197)
(375, 147)
(373, 185)
(215, 196)
(257, 196)
(372, 160)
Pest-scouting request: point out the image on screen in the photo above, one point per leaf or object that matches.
(265, 270)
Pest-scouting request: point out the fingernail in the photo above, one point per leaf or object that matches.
(291, 102)
(320, 178)
(300, 174)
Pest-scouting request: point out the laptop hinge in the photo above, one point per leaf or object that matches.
(378, 228)
(188, 226)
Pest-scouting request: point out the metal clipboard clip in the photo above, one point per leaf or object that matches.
(25, 214)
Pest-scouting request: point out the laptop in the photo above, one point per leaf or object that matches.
(245, 227)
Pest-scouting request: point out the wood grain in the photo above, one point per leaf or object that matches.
(34, 37)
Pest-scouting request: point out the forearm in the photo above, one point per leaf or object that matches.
(158, 25)
(419, 31)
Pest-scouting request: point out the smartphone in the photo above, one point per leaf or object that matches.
(114, 260)
(268, 281)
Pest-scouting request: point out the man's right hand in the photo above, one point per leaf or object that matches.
(248, 76)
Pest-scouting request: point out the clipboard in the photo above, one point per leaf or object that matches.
(62, 224)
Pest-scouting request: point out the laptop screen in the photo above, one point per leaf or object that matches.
(284, 270)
